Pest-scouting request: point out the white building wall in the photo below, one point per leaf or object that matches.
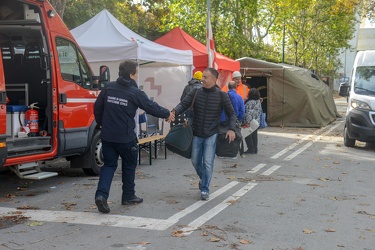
(363, 39)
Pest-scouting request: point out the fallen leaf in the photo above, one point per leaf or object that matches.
(231, 202)
(245, 242)
(336, 162)
(313, 185)
(344, 172)
(144, 243)
(214, 239)
(323, 179)
(35, 223)
(370, 230)
(178, 233)
(308, 231)
(205, 233)
(330, 230)
(231, 177)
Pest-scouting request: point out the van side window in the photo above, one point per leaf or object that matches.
(73, 67)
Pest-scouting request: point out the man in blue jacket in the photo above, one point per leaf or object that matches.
(114, 110)
(237, 102)
(208, 104)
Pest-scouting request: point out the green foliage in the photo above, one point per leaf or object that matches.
(315, 31)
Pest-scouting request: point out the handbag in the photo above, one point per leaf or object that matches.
(180, 137)
(245, 132)
(223, 147)
(263, 122)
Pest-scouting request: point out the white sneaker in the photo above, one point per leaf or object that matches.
(205, 196)
(221, 157)
(233, 158)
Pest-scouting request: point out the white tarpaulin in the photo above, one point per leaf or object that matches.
(163, 71)
(104, 38)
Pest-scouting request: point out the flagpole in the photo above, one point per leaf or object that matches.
(210, 45)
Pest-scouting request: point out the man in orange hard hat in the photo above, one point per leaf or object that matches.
(241, 88)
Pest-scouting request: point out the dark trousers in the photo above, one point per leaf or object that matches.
(251, 142)
(129, 156)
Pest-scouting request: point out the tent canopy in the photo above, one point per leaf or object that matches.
(294, 97)
(104, 38)
(179, 39)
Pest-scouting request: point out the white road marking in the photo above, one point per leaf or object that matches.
(291, 156)
(271, 170)
(256, 169)
(217, 209)
(176, 217)
(86, 218)
(112, 220)
(304, 139)
(290, 147)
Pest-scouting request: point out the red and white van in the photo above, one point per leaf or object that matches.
(41, 63)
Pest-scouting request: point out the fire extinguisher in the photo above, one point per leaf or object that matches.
(32, 119)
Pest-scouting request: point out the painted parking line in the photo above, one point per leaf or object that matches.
(216, 210)
(176, 217)
(302, 140)
(271, 170)
(86, 218)
(112, 220)
(257, 168)
(297, 152)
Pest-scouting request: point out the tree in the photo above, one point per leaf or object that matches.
(59, 6)
(315, 31)
(368, 10)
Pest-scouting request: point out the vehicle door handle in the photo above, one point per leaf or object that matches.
(63, 99)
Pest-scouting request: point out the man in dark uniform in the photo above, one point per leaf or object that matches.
(114, 111)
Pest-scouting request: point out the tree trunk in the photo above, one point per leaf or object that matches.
(59, 6)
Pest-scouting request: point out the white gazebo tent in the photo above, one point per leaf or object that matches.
(163, 71)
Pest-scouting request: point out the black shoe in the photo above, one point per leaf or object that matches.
(250, 152)
(132, 201)
(102, 204)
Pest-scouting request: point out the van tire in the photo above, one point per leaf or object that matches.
(92, 160)
(347, 141)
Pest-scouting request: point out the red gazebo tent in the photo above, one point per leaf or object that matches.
(179, 39)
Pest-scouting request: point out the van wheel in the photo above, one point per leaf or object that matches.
(347, 141)
(92, 160)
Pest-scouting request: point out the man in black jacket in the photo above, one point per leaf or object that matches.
(208, 105)
(114, 111)
(194, 83)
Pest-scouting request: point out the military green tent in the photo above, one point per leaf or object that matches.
(293, 96)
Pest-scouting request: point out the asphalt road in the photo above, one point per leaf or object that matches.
(303, 190)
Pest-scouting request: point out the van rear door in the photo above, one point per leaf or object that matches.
(3, 123)
(2, 99)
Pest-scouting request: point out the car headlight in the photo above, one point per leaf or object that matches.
(360, 105)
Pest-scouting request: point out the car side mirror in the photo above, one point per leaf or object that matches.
(104, 76)
(344, 89)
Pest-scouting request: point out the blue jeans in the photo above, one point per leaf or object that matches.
(202, 157)
(129, 155)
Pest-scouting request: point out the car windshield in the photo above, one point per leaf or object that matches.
(364, 82)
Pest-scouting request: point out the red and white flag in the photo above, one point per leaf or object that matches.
(210, 45)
